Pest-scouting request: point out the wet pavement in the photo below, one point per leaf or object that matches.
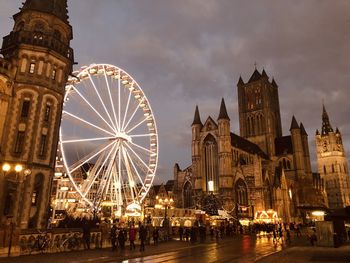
(238, 249)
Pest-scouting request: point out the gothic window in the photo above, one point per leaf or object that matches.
(32, 68)
(42, 145)
(241, 193)
(324, 169)
(53, 75)
(267, 195)
(211, 162)
(47, 112)
(284, 164)
(25, 108)
(333, 168)
(19, 142)
(288, 165)
(37, 189)
(187, 195)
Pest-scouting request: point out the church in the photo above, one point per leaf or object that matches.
(259, 169)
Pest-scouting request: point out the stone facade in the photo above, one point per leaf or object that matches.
(35, 65)
(332, 164)
(256, 171)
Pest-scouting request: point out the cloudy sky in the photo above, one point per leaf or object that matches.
(189, 52)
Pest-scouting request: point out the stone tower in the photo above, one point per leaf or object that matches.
(332, 164)
(196, 155)
(224, 149)
(259, 111)
(39, 59)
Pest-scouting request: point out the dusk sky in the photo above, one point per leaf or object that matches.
(189, 52)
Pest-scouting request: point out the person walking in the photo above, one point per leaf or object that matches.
(121, 240)
(143, 236)
(113, 236)
(181, 232)
(155, 236)
(132, 237)
(86, 235)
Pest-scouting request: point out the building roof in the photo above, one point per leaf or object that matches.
(302, 129)
(197, 117)
(223, 112)
(54, 7)
(283, 145)
(255, 76)
(245, 145)
(326, 125)
(294, 125)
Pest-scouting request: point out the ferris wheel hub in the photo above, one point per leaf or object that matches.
(123, 137)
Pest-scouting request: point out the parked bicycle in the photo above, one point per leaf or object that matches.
(71, 242)
(42, 243)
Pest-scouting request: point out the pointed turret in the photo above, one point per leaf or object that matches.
(240, 81)
(55, 7)
(223, 112)
(326, 125)
(302, 129)
(337, 131)
(294, 125)
(255, 76)
(263, 74)
(317, 132)
(197, 118)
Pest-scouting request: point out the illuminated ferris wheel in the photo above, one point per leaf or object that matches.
(108, 138)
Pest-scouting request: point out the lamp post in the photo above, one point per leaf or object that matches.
(19, 178)
(166, 203)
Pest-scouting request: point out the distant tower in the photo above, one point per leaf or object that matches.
(196, 151)
(332, 164)
(259, 111)
(224, 149)
(38, 50)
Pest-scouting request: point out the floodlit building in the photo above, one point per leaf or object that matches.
(258, 170)
(36, 59)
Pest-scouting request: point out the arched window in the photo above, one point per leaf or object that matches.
(324, 169)
(333, 168)
(187, 195)
(211, 163)
(241, 193)
(284, 164)
(267, 195)
(20, 26)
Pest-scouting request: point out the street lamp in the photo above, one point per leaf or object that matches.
(166, 203)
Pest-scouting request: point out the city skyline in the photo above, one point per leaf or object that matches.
(193, 53)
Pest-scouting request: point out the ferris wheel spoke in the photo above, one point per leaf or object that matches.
(119, 106)
(147, 167)
(88, 103)
(135, 169)
(87, 140)
(133, 114)
(88, 157)
(142, 135)
(86, 122)
(126, 110)
(103, 105)
(132, 183)
(138, 124)
(110, 95)
(99, 167)
(140, 147)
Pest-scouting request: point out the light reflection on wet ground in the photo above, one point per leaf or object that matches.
(245, 249)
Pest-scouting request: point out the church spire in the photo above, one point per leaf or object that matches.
(294, 125)
(197, 118)
(326, 125)
(55, 7)
(223, 112)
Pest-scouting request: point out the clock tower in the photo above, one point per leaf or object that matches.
(332, 164)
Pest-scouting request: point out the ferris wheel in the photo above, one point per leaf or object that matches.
(108, 138)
